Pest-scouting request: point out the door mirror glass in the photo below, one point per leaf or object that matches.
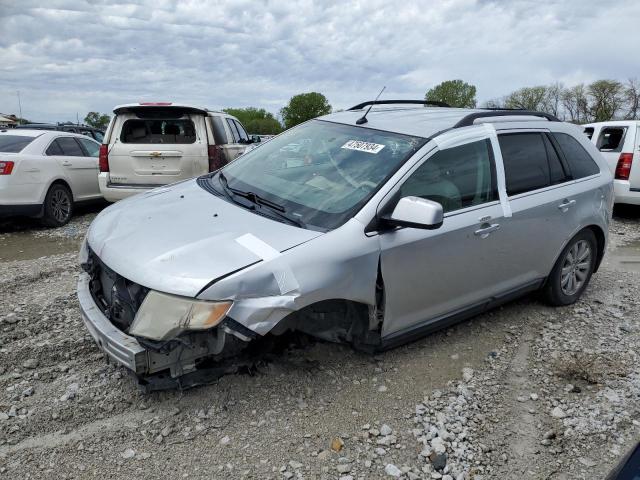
(416, 212)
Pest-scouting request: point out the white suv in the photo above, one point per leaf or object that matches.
(619, 143)
(148, 145)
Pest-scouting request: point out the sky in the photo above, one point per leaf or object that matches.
(68, 57)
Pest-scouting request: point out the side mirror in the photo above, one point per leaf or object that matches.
(416, 212)
(255, 138)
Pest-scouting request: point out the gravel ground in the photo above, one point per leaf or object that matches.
(524, 391)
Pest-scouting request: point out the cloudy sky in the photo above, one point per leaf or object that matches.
(73, 56)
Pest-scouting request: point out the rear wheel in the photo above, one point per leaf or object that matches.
(572, 271)
(58, 206)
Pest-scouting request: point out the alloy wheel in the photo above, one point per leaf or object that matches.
(575, 267)
(60, 205)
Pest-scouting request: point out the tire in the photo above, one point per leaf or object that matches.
(566, 287)
(58, 206)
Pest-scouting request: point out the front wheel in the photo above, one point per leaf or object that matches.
(572, 271)
(58, 206)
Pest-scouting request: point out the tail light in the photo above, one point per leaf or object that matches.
(6, 167)
(623, 169)
(103, 158)
(216, 157)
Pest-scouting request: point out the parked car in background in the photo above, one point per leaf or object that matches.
(619, 143)
(148, 145)
(91, 132)
(44, 173)
(372, 231)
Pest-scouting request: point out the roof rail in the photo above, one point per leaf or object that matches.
(468, 120)
(403, 102)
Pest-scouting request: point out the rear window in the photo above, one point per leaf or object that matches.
(611, 139)
(14, 143)
(158, 131)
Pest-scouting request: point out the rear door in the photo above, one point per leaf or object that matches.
(92, 149)
(542, 200)
(79, 168)
(150, 148)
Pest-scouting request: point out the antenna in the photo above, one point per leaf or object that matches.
(363, 119)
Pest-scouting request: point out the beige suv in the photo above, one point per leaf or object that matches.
(147, 145)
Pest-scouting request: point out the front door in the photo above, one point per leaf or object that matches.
(429, 274)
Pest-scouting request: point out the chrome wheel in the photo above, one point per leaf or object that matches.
(575, 267)
(60, 205)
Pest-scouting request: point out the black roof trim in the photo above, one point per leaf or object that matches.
(468, 120)
(360, 106)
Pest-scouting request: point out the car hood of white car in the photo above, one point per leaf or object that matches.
(180, 238)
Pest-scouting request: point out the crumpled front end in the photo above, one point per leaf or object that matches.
(322, 288)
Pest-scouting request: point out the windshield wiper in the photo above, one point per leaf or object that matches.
(276, 209)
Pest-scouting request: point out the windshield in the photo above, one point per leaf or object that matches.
(320, 173)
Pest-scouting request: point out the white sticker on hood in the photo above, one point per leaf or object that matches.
(363, 146)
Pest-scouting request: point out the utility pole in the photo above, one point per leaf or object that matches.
(20, 107)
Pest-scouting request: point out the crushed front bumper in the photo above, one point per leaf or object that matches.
(119, 346)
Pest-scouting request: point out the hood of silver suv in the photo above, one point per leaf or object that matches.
(178, 239)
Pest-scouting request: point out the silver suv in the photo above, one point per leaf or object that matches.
(368, 227)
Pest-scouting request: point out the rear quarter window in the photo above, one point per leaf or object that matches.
(158, 131)
(579, 160)
(14, 143)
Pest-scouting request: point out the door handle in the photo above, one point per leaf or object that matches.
(566, 204)
(486, 230)
(66, 163)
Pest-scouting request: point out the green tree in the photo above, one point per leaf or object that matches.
(256, 121)
(303, 107)
(456, 93)
(527, 98)
(606, 98)
(97, 120)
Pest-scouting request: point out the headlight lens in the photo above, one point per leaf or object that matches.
(162, 316)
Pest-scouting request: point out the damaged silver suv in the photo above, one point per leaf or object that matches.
(369, 227)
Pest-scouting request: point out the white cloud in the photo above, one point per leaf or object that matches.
(75, 56)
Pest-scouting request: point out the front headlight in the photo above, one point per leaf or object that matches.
(162, 316)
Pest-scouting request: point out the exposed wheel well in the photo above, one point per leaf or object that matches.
(335, 320)
(59, 181)
(600, 238)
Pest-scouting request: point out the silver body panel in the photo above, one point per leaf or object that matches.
(169, 240)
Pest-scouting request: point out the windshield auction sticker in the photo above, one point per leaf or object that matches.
(363, 146)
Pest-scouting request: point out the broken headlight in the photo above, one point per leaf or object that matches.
(162, 316)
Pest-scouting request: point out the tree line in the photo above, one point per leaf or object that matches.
(598, 101)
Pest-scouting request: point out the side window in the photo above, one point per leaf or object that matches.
(611, 139)
(457, 177)
(579, 160)
(70, 147)
(219, 133)
(526, 167)
(54, 149)
(241, 131)
(92, 148)
(588, 131)
(234, 130)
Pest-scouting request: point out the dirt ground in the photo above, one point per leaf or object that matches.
(525, 391)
